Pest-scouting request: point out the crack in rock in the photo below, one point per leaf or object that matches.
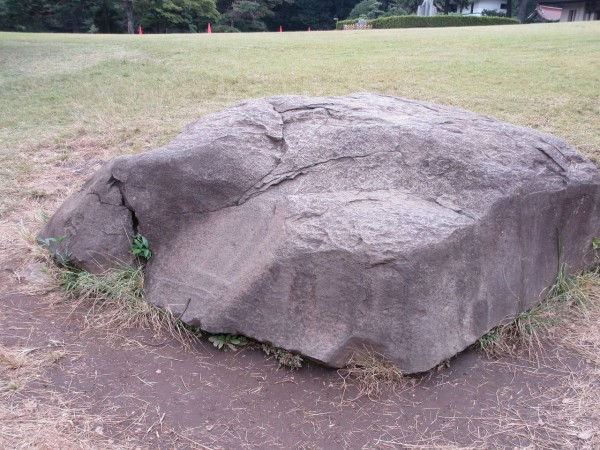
(264, 184)
(113, 181)
(552, 158)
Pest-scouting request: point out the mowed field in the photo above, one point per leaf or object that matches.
(69, 103)
(118, 94)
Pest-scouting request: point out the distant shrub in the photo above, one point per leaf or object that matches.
(219, 28)
(451, 20)
(340, 24)
(492, 13)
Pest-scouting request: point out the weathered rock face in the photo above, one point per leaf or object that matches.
(331, 225)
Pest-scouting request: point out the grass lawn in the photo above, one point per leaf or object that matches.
(69, 103)
(66, 94)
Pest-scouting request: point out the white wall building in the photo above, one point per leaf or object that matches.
(572, 10)
(575, 10)
(477, 7)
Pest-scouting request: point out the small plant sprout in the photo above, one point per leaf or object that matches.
(141, 247)
(59, 251)
(596, 243)
(224, 341)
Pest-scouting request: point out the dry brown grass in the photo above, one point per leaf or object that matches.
(372, 374)
(10, 360)
(557, 345)
(530, 330)
(579, 331)
(19, 248)
(47, 424)
(41, 418)
(20, 366)
(33, 415)
(557, 408)
(565, 416)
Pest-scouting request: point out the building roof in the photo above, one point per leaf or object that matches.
(548, 12)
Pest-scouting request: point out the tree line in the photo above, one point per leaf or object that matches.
(190, 16)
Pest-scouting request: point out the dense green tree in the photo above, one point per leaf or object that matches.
(343, 8)
(317, 14)
(302, 14)
(21, 15)
(127, 7)
(107, 18)
(247, 15)
(407, 6)
(367, 9)
(244, 15)
(106, 15)
(48, 15)
(74, 15)
(174, 15)
(371, 9)
(443, 6)
(394, 8)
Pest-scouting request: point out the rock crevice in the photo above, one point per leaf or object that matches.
(113, 181)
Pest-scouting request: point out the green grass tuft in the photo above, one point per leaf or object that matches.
(116, 301)
(125, 285)
(528, 328)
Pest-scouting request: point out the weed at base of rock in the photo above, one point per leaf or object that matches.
(140, 247)
(188, 330)
(567, 295)
(58, 249)
(563, 283)
(283, 357)
(116, 301)
(506, 339)
(227, 341)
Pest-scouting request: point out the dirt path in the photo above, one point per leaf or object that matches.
(136, 390)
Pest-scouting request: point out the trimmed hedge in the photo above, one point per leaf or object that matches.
(441, 20)
(340, 23)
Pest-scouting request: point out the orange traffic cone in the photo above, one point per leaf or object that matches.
(140, 32)
(281, 28)
(309, 29)
(209, 29)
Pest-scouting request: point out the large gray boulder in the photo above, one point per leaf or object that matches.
(333, 225)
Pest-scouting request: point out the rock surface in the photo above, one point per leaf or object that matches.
(333, 225)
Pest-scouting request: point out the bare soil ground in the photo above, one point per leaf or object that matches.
(64, 384)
